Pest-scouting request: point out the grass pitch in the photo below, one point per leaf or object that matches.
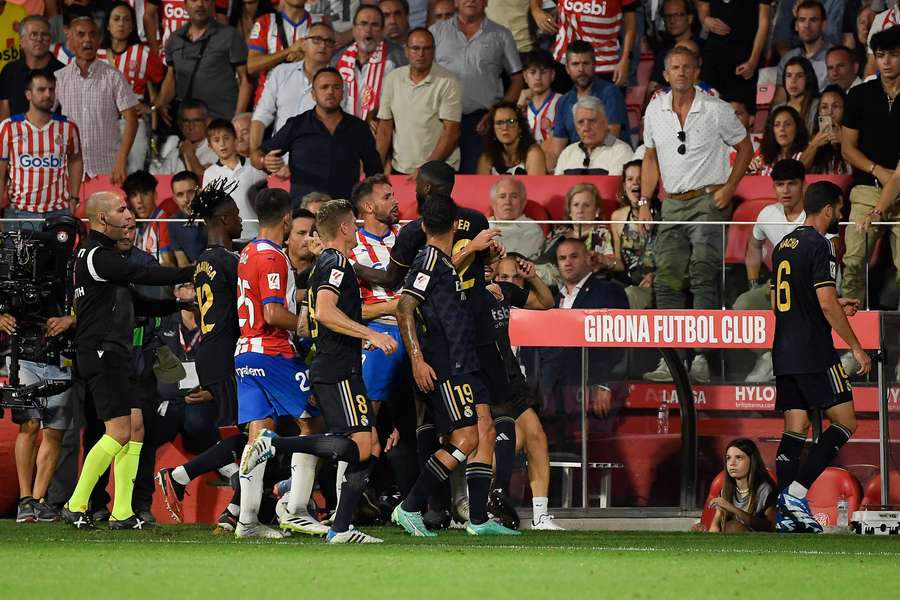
(54, 561)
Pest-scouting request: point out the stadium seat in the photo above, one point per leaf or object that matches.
(644, 70)
(824, 493)
(872, 493)
(759, 121)
(765, 92)
(739, 235)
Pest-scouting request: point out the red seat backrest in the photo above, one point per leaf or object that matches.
(739, 235)
(824, 493)
(872, 494)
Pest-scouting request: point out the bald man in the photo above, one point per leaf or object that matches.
(105, 308)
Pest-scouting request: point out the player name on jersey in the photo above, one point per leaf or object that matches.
(663, 328)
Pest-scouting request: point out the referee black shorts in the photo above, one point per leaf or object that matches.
(810, 391)
(492, 371)
(452, 403)
(106, 379)
(345, 405)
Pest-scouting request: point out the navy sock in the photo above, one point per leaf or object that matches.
(224, 452)
(478, 479)
(430, 477)
(822, 454)
(504, 451)
(787, 461)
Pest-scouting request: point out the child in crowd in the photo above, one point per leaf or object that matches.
(537, 101)
(747, 501)
(236, 169)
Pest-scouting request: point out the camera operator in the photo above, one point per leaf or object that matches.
(53, 420)
(105, 307)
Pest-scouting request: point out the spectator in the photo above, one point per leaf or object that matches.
(441, 10)
(600, 29)
(366, 62)
(152, 230)
(825, 145)
(508, 199)
(188, 239)
(420, 110)
(60, 49)
(864, 21)
(843, 70)
(289, 88)
(276, 38)
(801, 90)
(810, 25)
(236, 170)
(243, 16)
(747, 500)
(734, 46)
(513, 14)
(633, 263)
(838, 28)
(687, 135)
(172, 16)
(871, 144)
(747, 116)
(193, 151)
(678, 17)
(95, 95)
(11, 16)
(598, 152)
(35, 33)
(509, 148)
(303, 226)
(583, 206)
(339, 15)
(881, 22)
(328, 146)
(206, 61)
(785, 137)
(538, 101)
(396, 20)
(580, 67)
(241, 122)
(140, 66)
(773, 223)
(477, 50)
(313, 201)
(40, 153)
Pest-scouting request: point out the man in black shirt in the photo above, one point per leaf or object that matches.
(34, 31)
(808, 374)
(326, 145)
(335, 315)
(445, 367)
(105, 308)
(871, 144)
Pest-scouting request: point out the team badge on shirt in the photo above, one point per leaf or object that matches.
(274, 281)
(336, 277)
(421, 282)
(832, 266)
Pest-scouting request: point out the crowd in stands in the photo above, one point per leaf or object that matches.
(251, 90)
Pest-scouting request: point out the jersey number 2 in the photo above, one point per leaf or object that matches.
(782, 287)
(205, 297)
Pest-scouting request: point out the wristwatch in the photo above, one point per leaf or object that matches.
(643, 201)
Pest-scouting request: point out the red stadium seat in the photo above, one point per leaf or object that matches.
(759, 121)
(765, 92)
(538, 212)
(824, 493)
(739, 235)
(635, 96)
(872, 493)
(644, 71)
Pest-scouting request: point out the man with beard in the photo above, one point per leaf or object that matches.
(808, 373)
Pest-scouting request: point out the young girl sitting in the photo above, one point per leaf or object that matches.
(747, 501)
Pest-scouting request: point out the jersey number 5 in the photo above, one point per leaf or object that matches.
(782, 287)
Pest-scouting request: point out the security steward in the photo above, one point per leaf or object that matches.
(105, 309)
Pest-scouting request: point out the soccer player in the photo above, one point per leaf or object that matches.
(272, 381)
(215, 282)
(808, 372)
(445, 367)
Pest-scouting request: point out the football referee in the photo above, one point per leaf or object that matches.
(105, 308)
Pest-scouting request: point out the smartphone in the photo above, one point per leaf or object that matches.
(825, 123)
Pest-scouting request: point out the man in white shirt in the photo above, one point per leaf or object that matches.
(525, 237)
(598, 152)
(687, 134)
(193, 152)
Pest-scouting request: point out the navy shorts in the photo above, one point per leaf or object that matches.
(271, 387)
(346, 405)
(452, 403)
(809, 391)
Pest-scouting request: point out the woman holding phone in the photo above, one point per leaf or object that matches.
(824, 150)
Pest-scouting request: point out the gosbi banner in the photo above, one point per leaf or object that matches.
(664, 328)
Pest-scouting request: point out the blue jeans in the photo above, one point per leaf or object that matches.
(33, 220)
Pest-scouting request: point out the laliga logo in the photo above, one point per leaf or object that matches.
(175, 11)
(30, 160)
(585, 8)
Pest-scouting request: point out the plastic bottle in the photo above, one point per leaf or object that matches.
(843, 517)
(662, 417)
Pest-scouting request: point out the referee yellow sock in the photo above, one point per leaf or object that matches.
(125, 471)
(95, 463)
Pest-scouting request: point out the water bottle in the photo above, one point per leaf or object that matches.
(662, 417)
(843, 506)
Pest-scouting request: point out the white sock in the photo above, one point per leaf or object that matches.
(459, 489)
(234, 509)
(538, 507)
(339, 480)
(251, 492)
(796, 490)
(180, 475)
(303, 475)
(228, 470)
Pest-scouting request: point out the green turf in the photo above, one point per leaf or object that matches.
(54, 561)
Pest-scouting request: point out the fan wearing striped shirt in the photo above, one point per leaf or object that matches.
(40, 154)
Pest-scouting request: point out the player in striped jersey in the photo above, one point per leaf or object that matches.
(276, 38)
(41, 154)
(598, 22)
